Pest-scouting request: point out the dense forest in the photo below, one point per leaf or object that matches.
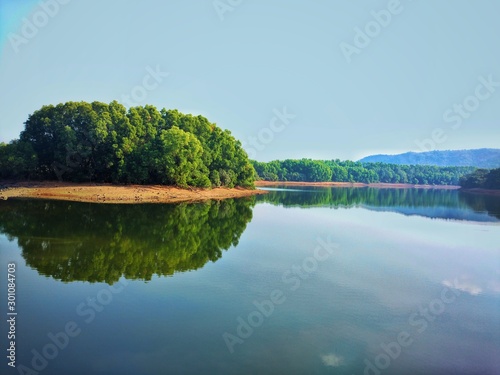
(349, 171)
(99, 142)
(72, 241)
(482, 178)
(481, 158)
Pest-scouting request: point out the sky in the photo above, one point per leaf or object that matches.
(321, 79)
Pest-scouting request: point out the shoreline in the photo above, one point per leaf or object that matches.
(130, 194)
(112, 194)
(355, 184)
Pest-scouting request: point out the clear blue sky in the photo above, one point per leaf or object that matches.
(238, 65)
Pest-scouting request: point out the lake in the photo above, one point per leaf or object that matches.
(299, 281)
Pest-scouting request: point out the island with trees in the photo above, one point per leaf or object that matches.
(93, 143)
(81, 142)
(97, 143)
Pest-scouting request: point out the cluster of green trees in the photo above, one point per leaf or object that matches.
(482, 178)
(350, 171)
(79, 141)
(100, 243)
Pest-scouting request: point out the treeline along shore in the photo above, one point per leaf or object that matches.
(143, 154)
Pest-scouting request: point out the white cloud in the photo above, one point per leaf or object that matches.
(332, 360)
(466, 286)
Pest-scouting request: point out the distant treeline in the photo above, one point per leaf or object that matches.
(482, 178)
(349, 171)
(79, 141)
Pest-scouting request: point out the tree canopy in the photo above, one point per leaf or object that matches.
(349, 171)
(79, 141)
(482, 178)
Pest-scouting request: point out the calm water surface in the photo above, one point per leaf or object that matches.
(299, 281)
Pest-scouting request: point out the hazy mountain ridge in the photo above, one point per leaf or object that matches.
(481, 158)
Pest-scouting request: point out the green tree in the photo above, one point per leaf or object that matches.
(17, 160)
(79, 141)
(475, 180)
(493, 179)
(177, 159)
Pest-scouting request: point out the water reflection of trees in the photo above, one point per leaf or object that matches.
(387, 199)
(100, 243)
(482, 203)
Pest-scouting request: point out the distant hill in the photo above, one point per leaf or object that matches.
(481, 158)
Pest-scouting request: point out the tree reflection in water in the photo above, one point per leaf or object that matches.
(99, 243)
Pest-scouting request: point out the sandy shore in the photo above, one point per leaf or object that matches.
(354, 184)
(108, 193)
